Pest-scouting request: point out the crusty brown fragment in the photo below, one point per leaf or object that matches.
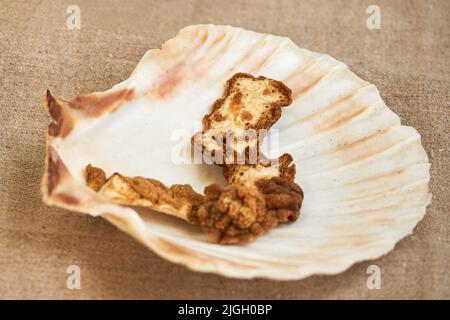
(234, 214)
(265, 168)
(248, 109)
(237, 213)
(95, 177)
(260, 192)
(178, 200)
(283, 198)
(275, 180)
(258, 198)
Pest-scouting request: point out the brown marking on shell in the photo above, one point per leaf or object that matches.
(368, 193)
(95, 104)
(358, 228)
(174, 75)
(351, 241)
(67, 199)
(191, 66)
(170, 80)
(56, 170)
(63, 122)
(247, 56)
(305, 87)
(260, 63)
(205, 63)
(381, 176)
(358, 142)
(331, 106)
(302, 79)
(251, 56)
(204, 34)
(219, 38)
(368, 150)
(340, 119)
(298, 74)
(60, 186)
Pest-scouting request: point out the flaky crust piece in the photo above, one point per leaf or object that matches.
(261, 192)
(247, 110)
(178, 200)
(258, 198)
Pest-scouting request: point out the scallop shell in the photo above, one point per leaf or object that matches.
(364, 175)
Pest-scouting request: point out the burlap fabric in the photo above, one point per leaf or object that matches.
(408, 59)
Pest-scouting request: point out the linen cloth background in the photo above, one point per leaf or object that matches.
(408, 59)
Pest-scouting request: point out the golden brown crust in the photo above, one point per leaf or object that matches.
(234, 214)
(226, 211)
(261, 193)
(242, 109)
(270, 117)
(248, 173)
(155, 191)
(95, 177)
(283, 198)
(239, 214)
(144, 192)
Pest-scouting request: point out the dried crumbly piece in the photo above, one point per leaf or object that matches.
(283, 198)
(275, 180)
(234, 214)
(178, 200)
(249, 107)
(260, 193)
(247, 174)
(95, 177)
(258, 198)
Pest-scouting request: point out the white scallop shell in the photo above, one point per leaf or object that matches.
(364, 175)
